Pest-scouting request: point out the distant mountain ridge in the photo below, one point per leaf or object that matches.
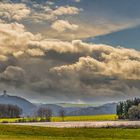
(109, 108)
(29, 108)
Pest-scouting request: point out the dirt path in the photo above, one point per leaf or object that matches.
(95, 124)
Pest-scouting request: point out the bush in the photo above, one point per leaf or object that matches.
(5, 122)
(22, 120)
(33, 120)
(125, 110)
(134, 113)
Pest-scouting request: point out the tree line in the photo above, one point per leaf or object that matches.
(45, 114)
(13, 111)
(10, 111)
(129, 109)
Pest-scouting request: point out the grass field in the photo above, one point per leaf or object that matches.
(9, 132)
(72, 118)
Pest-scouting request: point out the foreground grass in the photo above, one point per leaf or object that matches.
(9, 132)
(71, 118)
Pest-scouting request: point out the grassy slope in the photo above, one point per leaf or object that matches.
(8, 132)
(75, 118)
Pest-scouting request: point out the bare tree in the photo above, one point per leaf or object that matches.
(44, 113)
(10, 111)
(62, 114)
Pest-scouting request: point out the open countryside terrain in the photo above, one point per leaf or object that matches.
(85, 124)
(97, 121)
(9, 132)
(67, 118)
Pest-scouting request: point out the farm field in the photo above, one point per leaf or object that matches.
(69, 118)
(87, 118)
(9, 132)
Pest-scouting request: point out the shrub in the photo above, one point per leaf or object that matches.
(5, 122)
(125, 110)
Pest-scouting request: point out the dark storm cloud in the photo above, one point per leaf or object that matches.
(68, 70)
(63, 57)
(11, 60)
(39, 67)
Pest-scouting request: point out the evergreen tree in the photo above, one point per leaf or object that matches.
(124, 109)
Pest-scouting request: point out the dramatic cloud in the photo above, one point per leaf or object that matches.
(43, 66)
(41, 13)
(86, 30)
(77, 0)
(11, 12)
(36, 13)
(122, 68)
(37, 65)
(35, 52)
(13, 38)
(13, 73)
(3, 58)
(62, 25)
(48, 13)
(68, 10)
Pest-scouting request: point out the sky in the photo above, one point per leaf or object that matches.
(76, 51)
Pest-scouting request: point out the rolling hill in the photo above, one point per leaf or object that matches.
(26, 106)
(29, 108)
(109, 108)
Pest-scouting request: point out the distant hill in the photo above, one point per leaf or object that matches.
(74, 105)
(29, 108)
(26, 106)
(109, 108)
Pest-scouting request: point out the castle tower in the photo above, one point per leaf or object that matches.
(5, 93)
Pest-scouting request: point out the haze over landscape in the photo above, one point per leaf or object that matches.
(76, 51)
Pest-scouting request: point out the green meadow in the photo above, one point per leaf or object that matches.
(68, 118)
(9, 132)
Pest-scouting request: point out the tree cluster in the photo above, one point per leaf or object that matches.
(10, 111)
(134, 112)
(62, 113)
(129, 109)
(45, 114)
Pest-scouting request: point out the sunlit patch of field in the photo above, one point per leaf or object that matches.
(9, 120)
(67, 118)
(9, 132)
(87, 118)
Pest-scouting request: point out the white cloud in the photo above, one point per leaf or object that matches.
(50, 3)
(121, 68)
(9, 11)
(13, 73)
(77, 0)
(35, 52)
(63, 25)
(3, 58)
(40, 13)
(66, 10)
(36, 13)
(13, 37)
